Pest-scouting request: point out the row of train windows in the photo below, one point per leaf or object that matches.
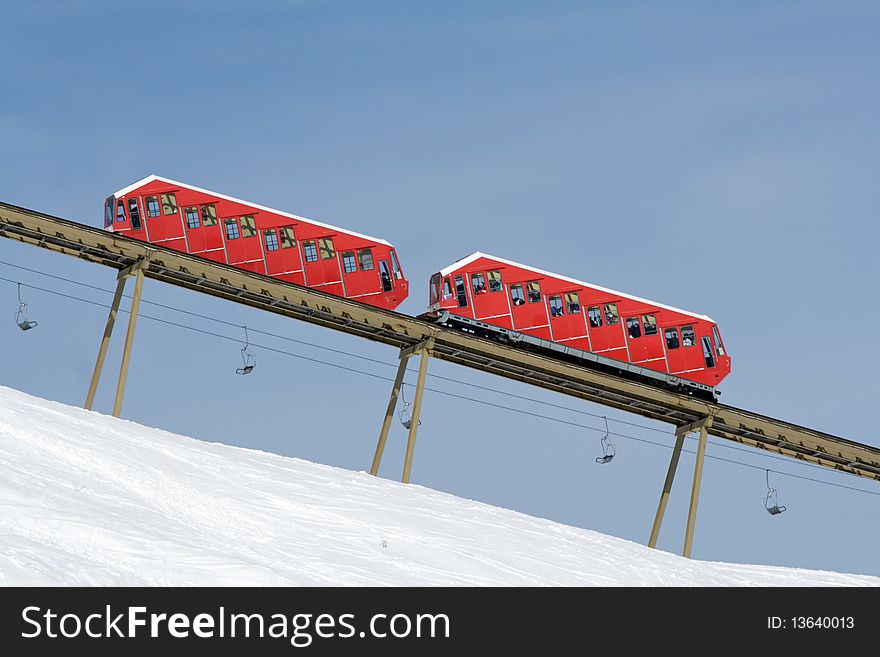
(168, 204)
(364, 259)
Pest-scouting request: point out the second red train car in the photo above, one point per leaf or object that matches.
(517, 303)
(240, 233)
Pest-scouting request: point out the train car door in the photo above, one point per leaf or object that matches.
(606, 331)
(203, 231)
(644, 341)
(567, 320)
(528, 310)
(242, 243)
(163, 220)
(321, 265)
(675, 353)
(490, 302)
(282, 255)
(691, 356)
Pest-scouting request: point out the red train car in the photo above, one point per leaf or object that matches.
(260, 239)
(514, 302)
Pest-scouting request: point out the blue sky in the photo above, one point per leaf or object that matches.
(720, 159)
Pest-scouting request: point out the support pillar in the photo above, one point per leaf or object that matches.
(105, 343)
(129, 339)
(389, 414)
(702, 426)
(695, 494)
(414, 424)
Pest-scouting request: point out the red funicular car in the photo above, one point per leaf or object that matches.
(582, 321)
(260, 239)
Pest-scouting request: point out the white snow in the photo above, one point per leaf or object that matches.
(86, 499)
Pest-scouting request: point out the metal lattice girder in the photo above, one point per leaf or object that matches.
(402, 331)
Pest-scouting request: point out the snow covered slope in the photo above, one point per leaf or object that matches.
(88, 499)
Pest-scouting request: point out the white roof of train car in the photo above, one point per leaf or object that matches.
(475, 256)
(151, 178)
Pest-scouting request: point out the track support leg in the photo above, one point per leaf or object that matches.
(680, 433)
(105, 344)
(129, 340)
(414, 424)
(389, 414)
(695, 494)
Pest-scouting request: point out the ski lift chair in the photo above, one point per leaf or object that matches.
(608, 450)
(249, 361)
(405, 414)
(771, 502)
(21, 317)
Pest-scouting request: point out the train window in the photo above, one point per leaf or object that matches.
(310, 251)
(384, 275)
(134, 213)
(556, 308)
(611, 315)
(595, 316)
(718, 346)
(108, 211)
(671, 338)
(209, 215)
(325, 244)
(169, 203)
(192, 217)
(649, 322)
(271, 238)
(534, 290)
(120, 211)
(395, 266)
(633, 328)
(288, 240)
(447, 288)
(495, 283)
(573, 303)
(688, 337)
(152, 206)
(434, 289)
(707, 352)
(479, 283)
(232, 231)
(516, 294)
(349, 264)
(365, 258)
(248, 227)
(460, 291)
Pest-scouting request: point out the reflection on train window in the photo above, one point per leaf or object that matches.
(209, 215)
(534, 290)
(134, 213)
(649, 322)
(688, 337)
(310, 251)
(707, 352)
(516, 295)
(479, 283)
(192, 217)
(152, 206)
(325, 244)
(495, 281)
(572, 303)
(232, 232)
(671, 338)
(169, 203)
(365, 257)
(248, 227)
(718, 346)
(120, 211)
(611, 315)
(271, 240)
(447, 288)
(460, 291)
(288, 241)
(556, 309)
(395, 266)
(595, 316)
(633, 328)
(349, 264)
